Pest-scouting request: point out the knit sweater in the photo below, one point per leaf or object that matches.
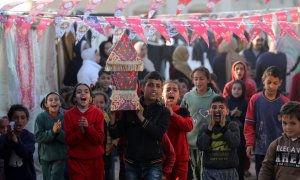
(90, 144)
(282, 160)
(52, 146)
(197, 105)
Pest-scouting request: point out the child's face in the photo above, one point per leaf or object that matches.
(170, 93)
(200, 81)
(53, 103)
(183, 89)
(3, 125)
(152, 90)
(20, 119)
(107, 47)
(239, 71)
(83, 96)
(236, 90)
(291, 126)
(99, 101)
(104, 81)
(218, 112)
(271, 85)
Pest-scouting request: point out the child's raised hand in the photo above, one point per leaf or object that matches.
(211, 124)
(169, 105)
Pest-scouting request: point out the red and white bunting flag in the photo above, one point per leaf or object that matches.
(200, 29)
(121, 5)
(181, 28)
(64, 26)
(38, 7)
(92, 4)
(255, 19)
(285, 26)
(8, 24)
(294, 15)
(135, 24)
(255, 31)
(235, 28)
(155, 4)
(115, 21)
(268, 30)
(11, 5)
(210, 5)
(281, 16)
(268, 18)
(267, 1)
(66, 7)
(43, 24)
(82, 28)
(220, 32)
(160, 27)
(181, 5)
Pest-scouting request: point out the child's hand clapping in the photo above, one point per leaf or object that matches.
(83, 124)
(56, 127)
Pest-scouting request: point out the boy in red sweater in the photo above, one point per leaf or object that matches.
(180, 123)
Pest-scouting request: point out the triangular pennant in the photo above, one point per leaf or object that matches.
(181, 5)
(8, 24)
(285, 26)
(155, 4)
(235, 28)
(115, 21)
(121, 5)
(92, 4)
(63, 27)
(220, 32)
(160, 27)
(210, 5)
(94, 23)
(255, 19)
(267, 1)
(255, 31)
(43, 24)
(182, 29)
(11, 5)
(38, 7)
(135, 24)
(267, 30)
(200, 29)
(294, 15)
(82, 28)
(66, 7)
(281, 16)
(268, 18)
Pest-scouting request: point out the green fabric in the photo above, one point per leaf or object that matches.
(54, 170)
(52, 146)
(195, 103)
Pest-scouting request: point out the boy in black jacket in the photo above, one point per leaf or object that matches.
(143, 131)
(219, 140)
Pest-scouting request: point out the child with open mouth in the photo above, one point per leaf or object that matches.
(219, 141)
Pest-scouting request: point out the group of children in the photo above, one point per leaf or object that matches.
(170, 136)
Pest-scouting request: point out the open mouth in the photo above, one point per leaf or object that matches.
(83, 99)
(171, 97)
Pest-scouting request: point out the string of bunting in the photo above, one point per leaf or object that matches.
(221, 24)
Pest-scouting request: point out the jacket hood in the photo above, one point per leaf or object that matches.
(232, 70)
(89, 54)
